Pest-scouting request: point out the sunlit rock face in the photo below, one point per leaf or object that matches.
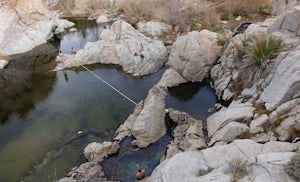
(193, 55)
(27, 24)
(120, 45)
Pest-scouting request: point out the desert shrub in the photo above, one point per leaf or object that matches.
(260, 108)
(174, 12)
(238, 168)
(293, 133)
(66, 5)
(254, 56)
(293, 167)
(232, 8)
(263, 48)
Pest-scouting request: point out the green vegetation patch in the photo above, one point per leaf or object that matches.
(293, 167)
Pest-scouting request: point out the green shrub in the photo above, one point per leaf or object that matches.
(254, 55)
(262, 48)
(293, 167)
(238, 168)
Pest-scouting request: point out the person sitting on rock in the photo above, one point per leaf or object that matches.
(60, 58)
(140, 174)
(140, 52)
(73, 50)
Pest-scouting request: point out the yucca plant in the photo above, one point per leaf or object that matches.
(254, 56)
(263, 48)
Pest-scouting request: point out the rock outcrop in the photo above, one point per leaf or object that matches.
(235, 112)
(150, 123)
(266, 160)
(118, 46)
(171, 78)
(96, 152)
(193, 55)
(285, 84)
(27, 24)
(88, 171)
(281, 6)
(188, 134)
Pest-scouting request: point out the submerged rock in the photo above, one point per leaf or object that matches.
(96, 152)
(88, 171)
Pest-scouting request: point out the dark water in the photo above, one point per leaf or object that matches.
(41, 112)
(193, 98)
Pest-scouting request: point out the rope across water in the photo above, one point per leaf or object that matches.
(98, 77)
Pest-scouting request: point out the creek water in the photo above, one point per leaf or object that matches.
(42, 112)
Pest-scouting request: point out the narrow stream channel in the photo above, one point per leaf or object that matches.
(42, 111)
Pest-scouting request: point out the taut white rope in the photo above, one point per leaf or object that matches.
(109, 85)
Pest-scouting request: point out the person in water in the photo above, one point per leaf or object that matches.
(140, 174)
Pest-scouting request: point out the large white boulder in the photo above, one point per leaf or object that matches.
(285, 84)
(150, 123)
(193, 55)
(118, 46)
(235, 112)
(229, 132)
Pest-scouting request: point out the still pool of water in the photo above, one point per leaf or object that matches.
(44, 112)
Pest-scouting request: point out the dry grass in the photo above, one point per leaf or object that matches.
(188, 15)
(174, 12)
(238, 168)
(260, 108)
(233, 8)
(293, 167)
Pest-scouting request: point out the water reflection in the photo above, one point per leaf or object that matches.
(193, 98)
(87, 31)
(20, 88)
